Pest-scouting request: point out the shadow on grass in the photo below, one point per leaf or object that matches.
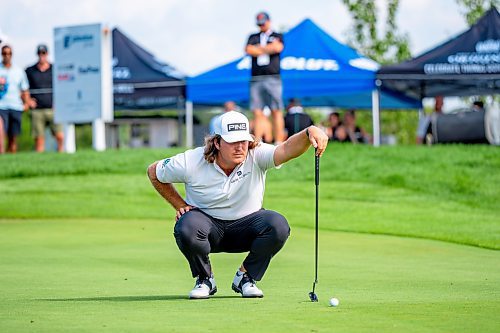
(129, 298)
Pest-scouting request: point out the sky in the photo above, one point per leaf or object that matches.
(197, 35)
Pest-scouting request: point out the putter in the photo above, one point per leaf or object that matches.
(312, 295)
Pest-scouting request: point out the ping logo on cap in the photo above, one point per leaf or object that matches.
(236, 127)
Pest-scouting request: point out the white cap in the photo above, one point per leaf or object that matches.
(233, 126)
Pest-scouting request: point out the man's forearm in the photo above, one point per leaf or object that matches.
(293, 147)
(274, 47)
(298, 144)
(254, 50)
(166, 190)
(26, 98)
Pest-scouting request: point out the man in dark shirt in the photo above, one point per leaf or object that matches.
(40, 80)
(265, 87)
(296, 119)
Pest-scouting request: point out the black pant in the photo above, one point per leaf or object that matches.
(263, 233)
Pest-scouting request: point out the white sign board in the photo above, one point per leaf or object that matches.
(82, 75)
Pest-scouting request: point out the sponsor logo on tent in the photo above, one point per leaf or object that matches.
(121, 73)
(297, 63)
(486, 60)
(364, 63)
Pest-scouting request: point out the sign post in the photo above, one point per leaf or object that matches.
(83, 81)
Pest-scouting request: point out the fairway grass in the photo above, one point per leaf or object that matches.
(87, 275)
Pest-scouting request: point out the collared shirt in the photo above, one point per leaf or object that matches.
(269, 64)
(13, 81)
(211, 190)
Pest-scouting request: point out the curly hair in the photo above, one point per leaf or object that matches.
(211, 150)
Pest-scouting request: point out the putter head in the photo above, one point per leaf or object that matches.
(313, 297)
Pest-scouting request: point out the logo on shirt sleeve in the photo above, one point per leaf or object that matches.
(165, 162)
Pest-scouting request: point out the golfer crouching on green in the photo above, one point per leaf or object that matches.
(222, 212)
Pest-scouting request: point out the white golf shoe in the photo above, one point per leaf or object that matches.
(203, 288)
(245, 285)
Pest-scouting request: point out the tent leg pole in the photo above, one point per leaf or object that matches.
(376, 116)
(189, 124)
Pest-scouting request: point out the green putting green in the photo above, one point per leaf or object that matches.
(127, 276)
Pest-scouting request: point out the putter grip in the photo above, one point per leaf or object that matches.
(316, 171)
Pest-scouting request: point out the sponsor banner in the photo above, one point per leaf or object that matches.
(485, 59)
(82, 74)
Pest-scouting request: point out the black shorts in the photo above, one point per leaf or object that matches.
(11, 122)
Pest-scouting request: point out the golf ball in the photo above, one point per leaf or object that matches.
(334, 302)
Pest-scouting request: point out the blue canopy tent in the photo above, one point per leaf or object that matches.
(315, 68)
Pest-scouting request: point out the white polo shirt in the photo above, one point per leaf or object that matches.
(211, 190)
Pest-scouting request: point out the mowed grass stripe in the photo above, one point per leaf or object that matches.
(345, 206)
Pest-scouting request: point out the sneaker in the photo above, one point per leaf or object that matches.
(203, 288)
(245, 285)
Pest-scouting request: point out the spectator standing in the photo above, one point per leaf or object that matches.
(14, 99)
(296, 119)
(424, 130)
(266, 88)
(42, 115)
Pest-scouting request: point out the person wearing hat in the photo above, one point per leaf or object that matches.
(222, 212)
(42, 115)
(14, 99)
(266, 88)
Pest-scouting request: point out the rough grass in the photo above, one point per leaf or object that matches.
(448, 193)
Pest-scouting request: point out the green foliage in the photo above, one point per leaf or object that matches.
(402, 124)
(26, 142)
(388, 48)
(474, 9)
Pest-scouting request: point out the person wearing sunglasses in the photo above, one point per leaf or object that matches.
(266, 88)
(42, 115)
(14, 99)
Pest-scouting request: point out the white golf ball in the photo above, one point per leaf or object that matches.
(334, 302)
